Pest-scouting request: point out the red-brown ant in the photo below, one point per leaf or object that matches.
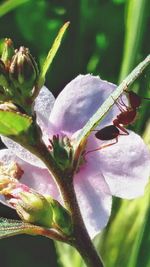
(126, 117)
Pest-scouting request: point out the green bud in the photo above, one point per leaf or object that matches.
(61, 217)
(23, 71)
(34, 208)
(8, 52)
(62, 151)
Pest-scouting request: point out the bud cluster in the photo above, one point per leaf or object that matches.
(31, 206)
(18, 73)
(62, 151)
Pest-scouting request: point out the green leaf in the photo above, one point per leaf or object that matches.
(129, 230)
(15, 227)
(142, 243)
(67, 254)
(12, 123)
(1, 45)
(52, 54)
(134, 31)
(9, 5)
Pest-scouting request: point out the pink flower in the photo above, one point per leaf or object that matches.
(119, 170)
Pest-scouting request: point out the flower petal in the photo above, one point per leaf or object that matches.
(125, 166)
(43, 105)
(44, 102)
(78, 101)
(22, 153)
(34, 177)
(93, 196)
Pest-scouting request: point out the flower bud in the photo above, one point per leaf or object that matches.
(8, 51)
(23, 71)
(31, 206)
(61, 217)
(34, 208)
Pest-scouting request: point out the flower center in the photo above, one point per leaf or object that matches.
(61, 150)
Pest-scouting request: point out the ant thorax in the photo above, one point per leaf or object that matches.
(125, 117)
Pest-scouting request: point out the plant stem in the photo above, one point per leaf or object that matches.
(80, 238)
(82, 241)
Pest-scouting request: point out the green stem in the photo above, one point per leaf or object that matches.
(80, 239)
(50, 233)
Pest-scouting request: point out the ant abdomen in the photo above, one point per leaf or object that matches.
(107, 133)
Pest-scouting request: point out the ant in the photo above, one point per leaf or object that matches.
(126, 117)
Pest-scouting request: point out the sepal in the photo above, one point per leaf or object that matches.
(61, 217)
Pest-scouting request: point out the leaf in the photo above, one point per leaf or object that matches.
(142, 243)
(134, 31)
(1, 45)
(15, 227)
(10, 227)
(129, 230)
(52, 54)
(9, 5)
(12, 123)
(67, 254)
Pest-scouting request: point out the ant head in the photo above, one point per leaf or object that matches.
(135, 100)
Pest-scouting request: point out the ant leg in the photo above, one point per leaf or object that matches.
(146, 98)
(103, 146)
(126, 88)
(119, 105)
(116, 124)
(122, 129)
(123, 104)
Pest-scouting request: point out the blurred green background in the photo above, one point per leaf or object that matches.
(107, 38)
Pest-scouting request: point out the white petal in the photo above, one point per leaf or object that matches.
(125, 166)
(78, 101)
(93, 196)
(44, 102)
(22, 153)
(34, 177)
(43, 106)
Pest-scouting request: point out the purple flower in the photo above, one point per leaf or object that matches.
(119, 170)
